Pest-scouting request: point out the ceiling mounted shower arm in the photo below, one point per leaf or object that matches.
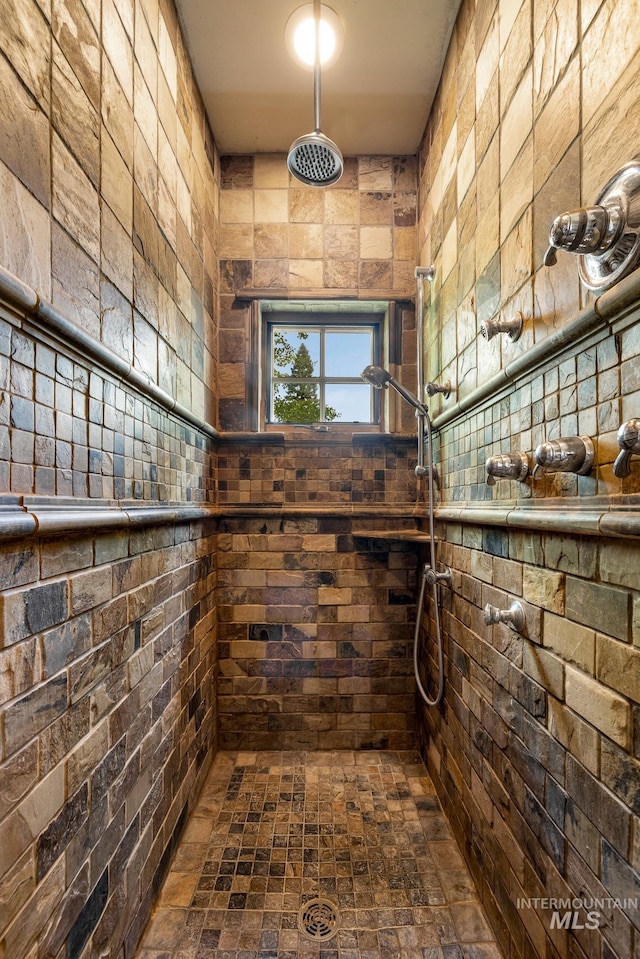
(313, 158)
(317, 81)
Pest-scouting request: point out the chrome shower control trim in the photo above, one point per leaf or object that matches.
(569, 454)
(507, 466)
(629, 443)
(432, 576)
(605, 236)
(512, 327)
(512, 617)
(433, 388)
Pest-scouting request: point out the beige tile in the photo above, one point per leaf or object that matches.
(270, 171)
(341, 206)
(25, 235)
(557, 126)
(613, 19)
(487, 62)
(341, 242)
(307, 205)
(271, 206)
(516, 192)
(376, 243)
(236, 241)
(306, 240)
(305, 274)
(271, 240)
(516, 256)
(516, 123)
(75, 200)
(375, 173)
(236, 206)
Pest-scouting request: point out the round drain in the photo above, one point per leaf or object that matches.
(318, 920)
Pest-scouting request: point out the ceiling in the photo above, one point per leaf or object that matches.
(375, 99)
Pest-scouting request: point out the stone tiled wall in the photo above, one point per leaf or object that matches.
(107, 679)
(328, 470)
(315, 633)
(535, 751)
(315, 624)
(356, 238)
(107, 176)
(108, 190)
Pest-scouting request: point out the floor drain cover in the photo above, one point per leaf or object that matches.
(318, 920)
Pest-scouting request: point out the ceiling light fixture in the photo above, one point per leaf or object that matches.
(300, 35)
(314, 159)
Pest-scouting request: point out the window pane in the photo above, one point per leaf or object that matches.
(351, 402)
(348, 352)
(296, 352)
(295, 403)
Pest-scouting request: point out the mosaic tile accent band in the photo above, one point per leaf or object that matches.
(362, 830)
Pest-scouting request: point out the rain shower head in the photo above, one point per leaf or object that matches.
(381, 379)
(313, 158)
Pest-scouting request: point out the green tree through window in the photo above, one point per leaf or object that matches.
(313, 368)
(300, 401)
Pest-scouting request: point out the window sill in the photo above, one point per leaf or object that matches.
(300, 435)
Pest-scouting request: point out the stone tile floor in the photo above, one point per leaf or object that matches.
(361, 830)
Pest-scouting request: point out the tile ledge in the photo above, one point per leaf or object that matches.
(602, 520)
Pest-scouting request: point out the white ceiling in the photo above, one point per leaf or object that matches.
(375, 98)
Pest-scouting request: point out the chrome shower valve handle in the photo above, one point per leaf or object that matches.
(593, 229)
(629, 443)
(512, 617)
(444, 388)
(507, 466)
(568, 454)
(605, 236)
(512, 326)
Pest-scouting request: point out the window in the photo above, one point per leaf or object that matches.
(313, 370)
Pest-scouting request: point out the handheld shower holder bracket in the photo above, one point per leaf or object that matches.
(433, 577)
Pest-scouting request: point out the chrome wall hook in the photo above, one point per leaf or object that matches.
(629, 443)
(507, 466)
(512, 617)
(569, 454)
(512, 327)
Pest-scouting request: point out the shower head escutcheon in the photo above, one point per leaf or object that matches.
(381, 379)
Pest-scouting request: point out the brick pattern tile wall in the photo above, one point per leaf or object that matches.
(108, 190)
(315, 633)
(107, 682)
(535, 752)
